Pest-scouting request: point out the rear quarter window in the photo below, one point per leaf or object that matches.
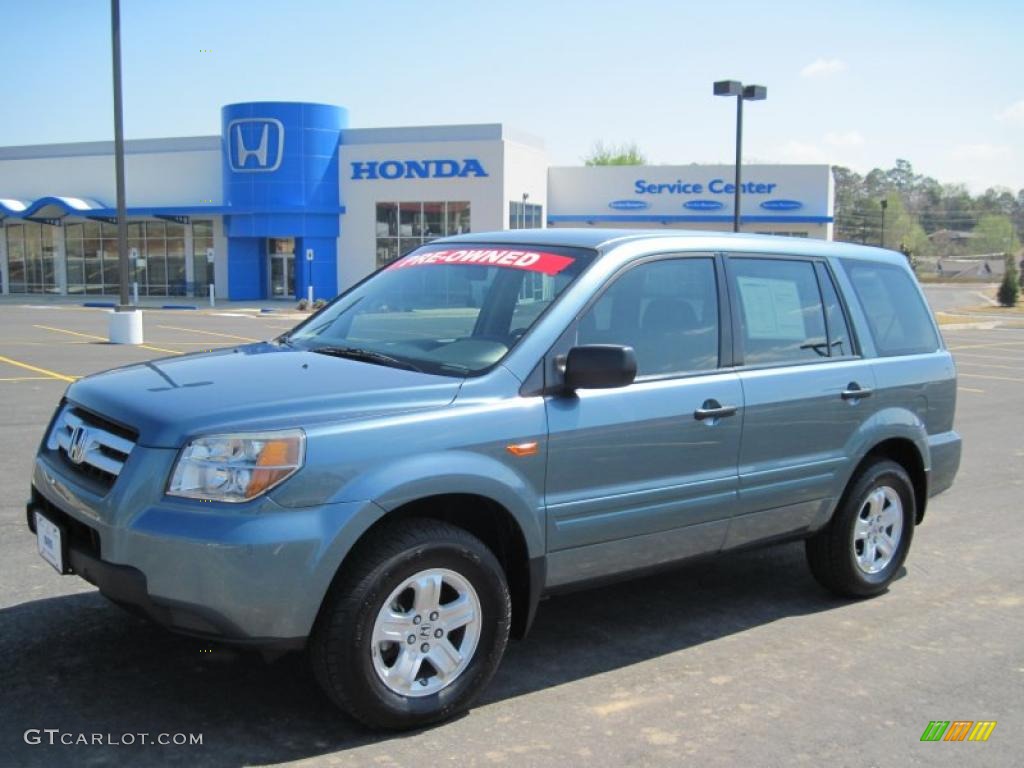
(897, 316)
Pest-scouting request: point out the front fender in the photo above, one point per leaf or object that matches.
(410, 478)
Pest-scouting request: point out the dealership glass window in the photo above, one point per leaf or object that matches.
(176, 259)
(404, 226)
(74, 254)
(202, 239)
(92, 257)
(16, 257)
(30, 257)
(525, 215)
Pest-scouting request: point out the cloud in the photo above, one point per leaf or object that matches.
(978, 152)
(1013, 113)
(823, 68)
(848, 139)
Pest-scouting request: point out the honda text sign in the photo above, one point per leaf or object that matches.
(417, 169)
(255, 144)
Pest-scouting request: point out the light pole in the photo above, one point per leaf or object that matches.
(122, 213)
(742, 93)
(885, 204)
(125, 323)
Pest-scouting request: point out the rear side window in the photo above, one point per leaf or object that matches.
(782, 319)
(897, 315)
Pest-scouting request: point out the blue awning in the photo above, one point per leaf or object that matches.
(56, 207)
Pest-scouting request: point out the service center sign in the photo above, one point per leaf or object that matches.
(703, 192)
(530, 261)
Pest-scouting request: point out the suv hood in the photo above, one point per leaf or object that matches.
(257, 386)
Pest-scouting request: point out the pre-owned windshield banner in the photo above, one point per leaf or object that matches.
(531, 261)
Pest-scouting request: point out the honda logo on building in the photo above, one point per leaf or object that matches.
(255, 144)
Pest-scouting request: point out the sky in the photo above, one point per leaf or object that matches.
(938, 83)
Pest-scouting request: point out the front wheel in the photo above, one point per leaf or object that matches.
(415, 628)
(863, 547)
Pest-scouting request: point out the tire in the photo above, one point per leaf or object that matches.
(854, 555)
(392, 684)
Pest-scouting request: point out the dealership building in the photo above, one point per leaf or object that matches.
(289, 197)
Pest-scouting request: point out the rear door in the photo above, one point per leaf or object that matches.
(806, 391)
(642, 475)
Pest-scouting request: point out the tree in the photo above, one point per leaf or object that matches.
(994, 234)
(1009, 289)
(902, 230)
(615, 154)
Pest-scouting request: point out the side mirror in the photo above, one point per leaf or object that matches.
(599, 366)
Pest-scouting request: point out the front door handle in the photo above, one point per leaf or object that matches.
(712, 409)
(855, 391)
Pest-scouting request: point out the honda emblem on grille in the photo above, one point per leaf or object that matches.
(79, 444)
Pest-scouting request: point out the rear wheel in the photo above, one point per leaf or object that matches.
(860, 551)
(415, 628)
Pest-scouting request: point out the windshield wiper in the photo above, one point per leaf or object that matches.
(366, 355)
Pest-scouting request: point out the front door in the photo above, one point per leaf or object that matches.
(646, 474)
(282, 267)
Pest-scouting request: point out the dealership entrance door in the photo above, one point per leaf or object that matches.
(281, 255)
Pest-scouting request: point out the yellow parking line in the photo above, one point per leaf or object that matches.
(993, 345)
(1017, 368)
(208, 333)
(994, 378)
(37, 369)
(991, 357)
(71, 333)
(161, 349)
(102, 338)
(27, 378)
(971, 389)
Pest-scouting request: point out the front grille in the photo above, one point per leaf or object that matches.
(91, 445)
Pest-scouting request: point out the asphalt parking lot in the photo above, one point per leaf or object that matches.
(737, 661)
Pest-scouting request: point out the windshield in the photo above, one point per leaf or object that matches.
(447, 309)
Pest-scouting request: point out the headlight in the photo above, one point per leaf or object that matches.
(237, 467)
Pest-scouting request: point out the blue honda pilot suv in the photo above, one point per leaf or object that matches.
(396, 483)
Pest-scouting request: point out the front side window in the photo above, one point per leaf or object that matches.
(897, 316)
(780, 311)
(445, 309)
(667, 311)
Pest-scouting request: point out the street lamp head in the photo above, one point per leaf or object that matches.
(728, 88)
(755, 93)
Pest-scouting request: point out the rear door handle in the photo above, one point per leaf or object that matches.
(712, 409)
(855, 391)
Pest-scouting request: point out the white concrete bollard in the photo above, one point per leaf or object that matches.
(212, 300)
(125, 327)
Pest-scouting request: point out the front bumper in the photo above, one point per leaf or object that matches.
(253, 574)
